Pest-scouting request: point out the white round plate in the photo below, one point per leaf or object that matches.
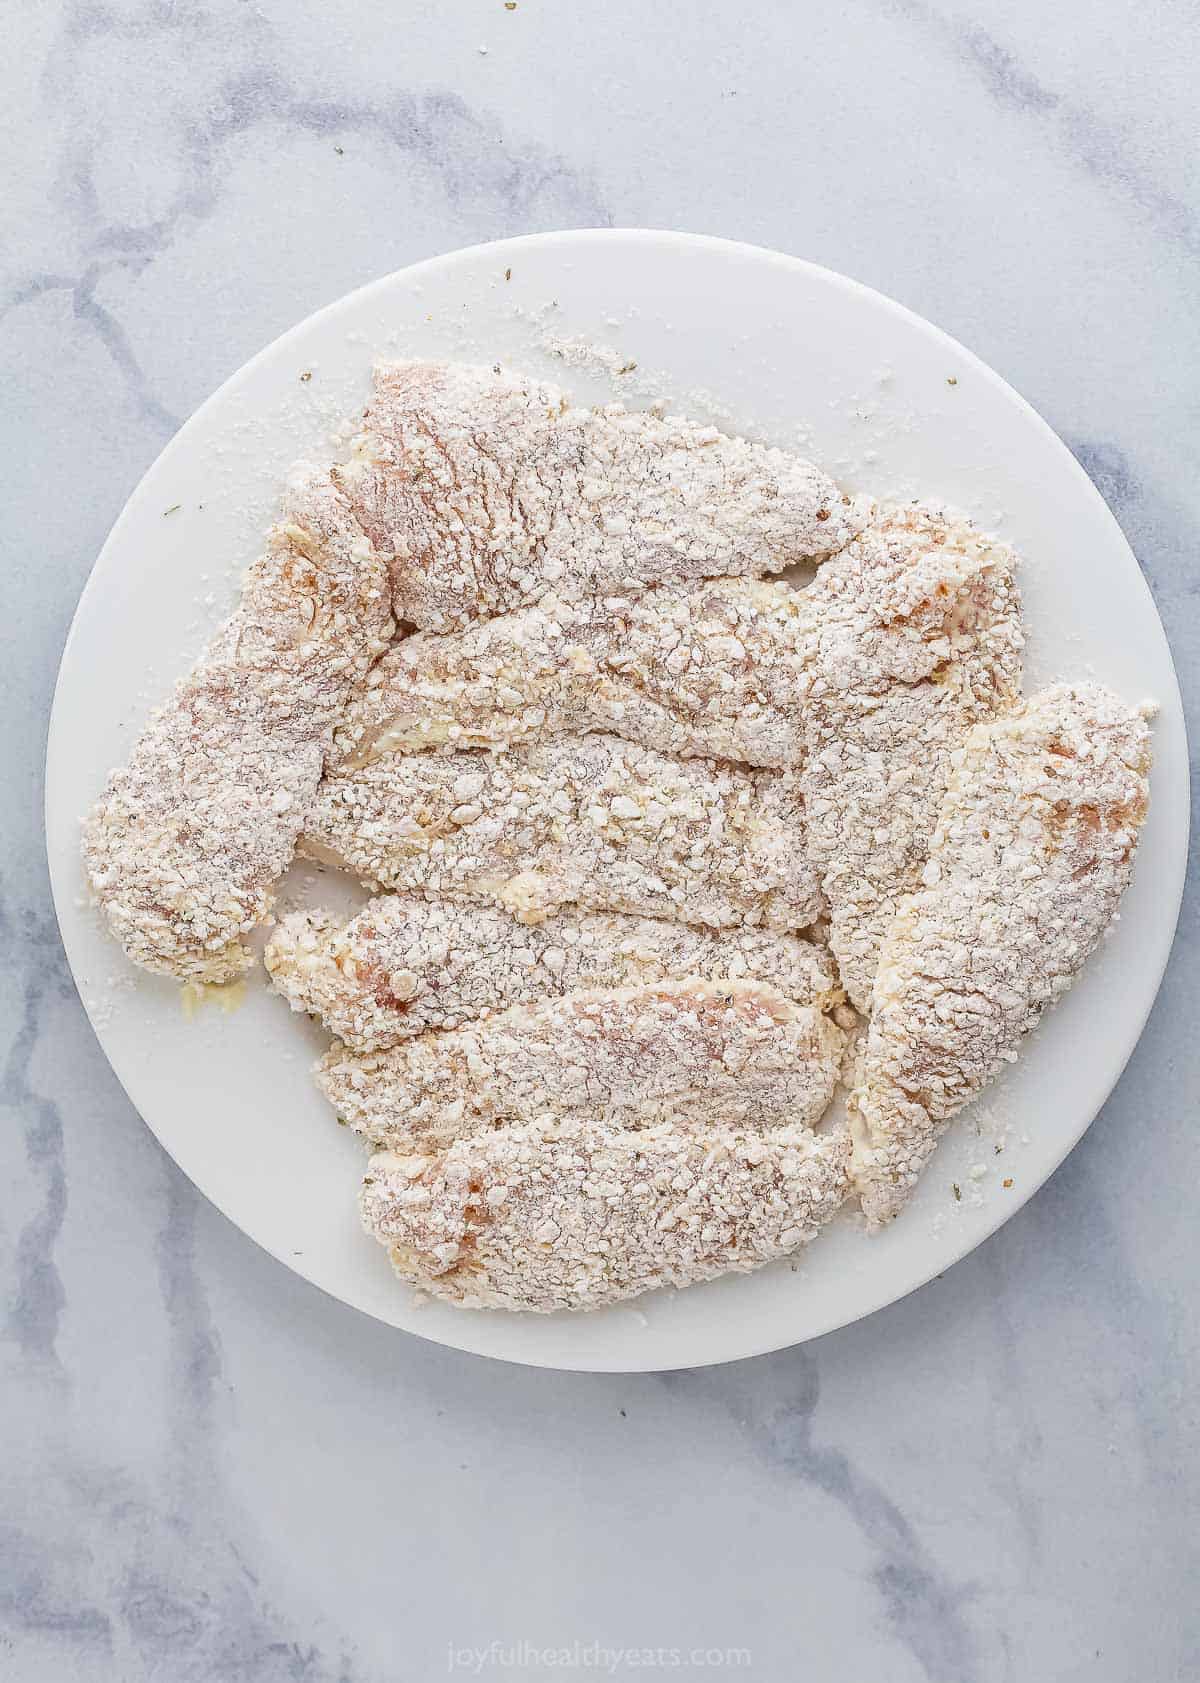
(750, 340)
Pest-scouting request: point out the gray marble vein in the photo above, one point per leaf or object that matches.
(1082, 132)
(210, 1471)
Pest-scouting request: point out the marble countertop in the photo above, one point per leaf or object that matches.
(210, 1470)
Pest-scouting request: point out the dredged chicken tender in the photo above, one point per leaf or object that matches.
(185, 846)
(1034, 848)
(572, 1215)
(713, 669)
(489, 489)
(590, 821)
(681, 1051)
(915, 637)
(406, 964)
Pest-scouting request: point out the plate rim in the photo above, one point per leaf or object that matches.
(62, 892)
